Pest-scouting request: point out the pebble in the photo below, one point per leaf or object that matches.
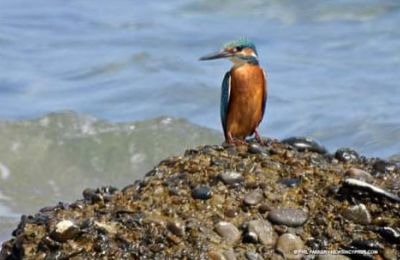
(260, 231)
(366, 244)
(359, 214)
(231, 178)
(176, 228)
(253, 198)
(383, 167)
(65, 230)
(255, 148)
(288, 246)
(288, 216)
(290, 182)
(388, 233)
(346, 155)
(92, 196)
(355, 184)
(230, 212)
(228, 231)
(202, 193)
(359, 174)
(302, 144)
(253, 256)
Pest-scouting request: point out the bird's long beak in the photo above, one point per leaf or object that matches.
(216, 55)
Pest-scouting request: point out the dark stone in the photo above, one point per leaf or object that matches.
(357, 187)
(366, 244)
(290, 182)
(288, 216)
(230, 212)
(302, 144)
(383, 167)
(388, 233)
(263, 208)
(202, 193)
(90, 195)
(176, 228)
(346, 155)
(255, 148)
(250, 237)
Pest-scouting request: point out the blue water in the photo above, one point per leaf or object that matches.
(333, 74)
(333, 65)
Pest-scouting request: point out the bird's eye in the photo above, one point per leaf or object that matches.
(239, 48)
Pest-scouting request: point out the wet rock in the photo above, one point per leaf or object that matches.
(176, 228)
(290, 246)
(231, 212)
(91, 196)
(255, 148)
(231, 178)
(202, 193)
(253, 198)
(228, 231)
(65, 230)
(290, 182)
(363, 245)
(351, 185)
(259, 231)
(253, 256)
(359, 214)
(346, 155)
(359, 174)
(157, 218)
(388, 233)
(288, 216)
(305, 144)
(383, 167)
(366, 245)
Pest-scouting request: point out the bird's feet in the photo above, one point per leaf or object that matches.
(235, 141)
(259, 138)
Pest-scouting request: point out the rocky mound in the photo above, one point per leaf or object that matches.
(284, 200)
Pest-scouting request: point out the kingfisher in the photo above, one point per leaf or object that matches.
(244, 91)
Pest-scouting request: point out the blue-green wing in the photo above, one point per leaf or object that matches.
(265, 95)
(225, 95)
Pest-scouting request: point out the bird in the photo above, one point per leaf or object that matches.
(243, 91)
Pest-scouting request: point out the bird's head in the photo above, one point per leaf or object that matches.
(239, 51)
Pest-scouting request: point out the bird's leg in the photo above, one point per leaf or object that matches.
(258, 137)
(234, 141)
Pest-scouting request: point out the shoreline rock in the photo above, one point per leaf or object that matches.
(228, 202)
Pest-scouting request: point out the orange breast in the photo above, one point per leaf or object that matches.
(248, 87)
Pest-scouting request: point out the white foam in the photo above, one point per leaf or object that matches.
(4, 171)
